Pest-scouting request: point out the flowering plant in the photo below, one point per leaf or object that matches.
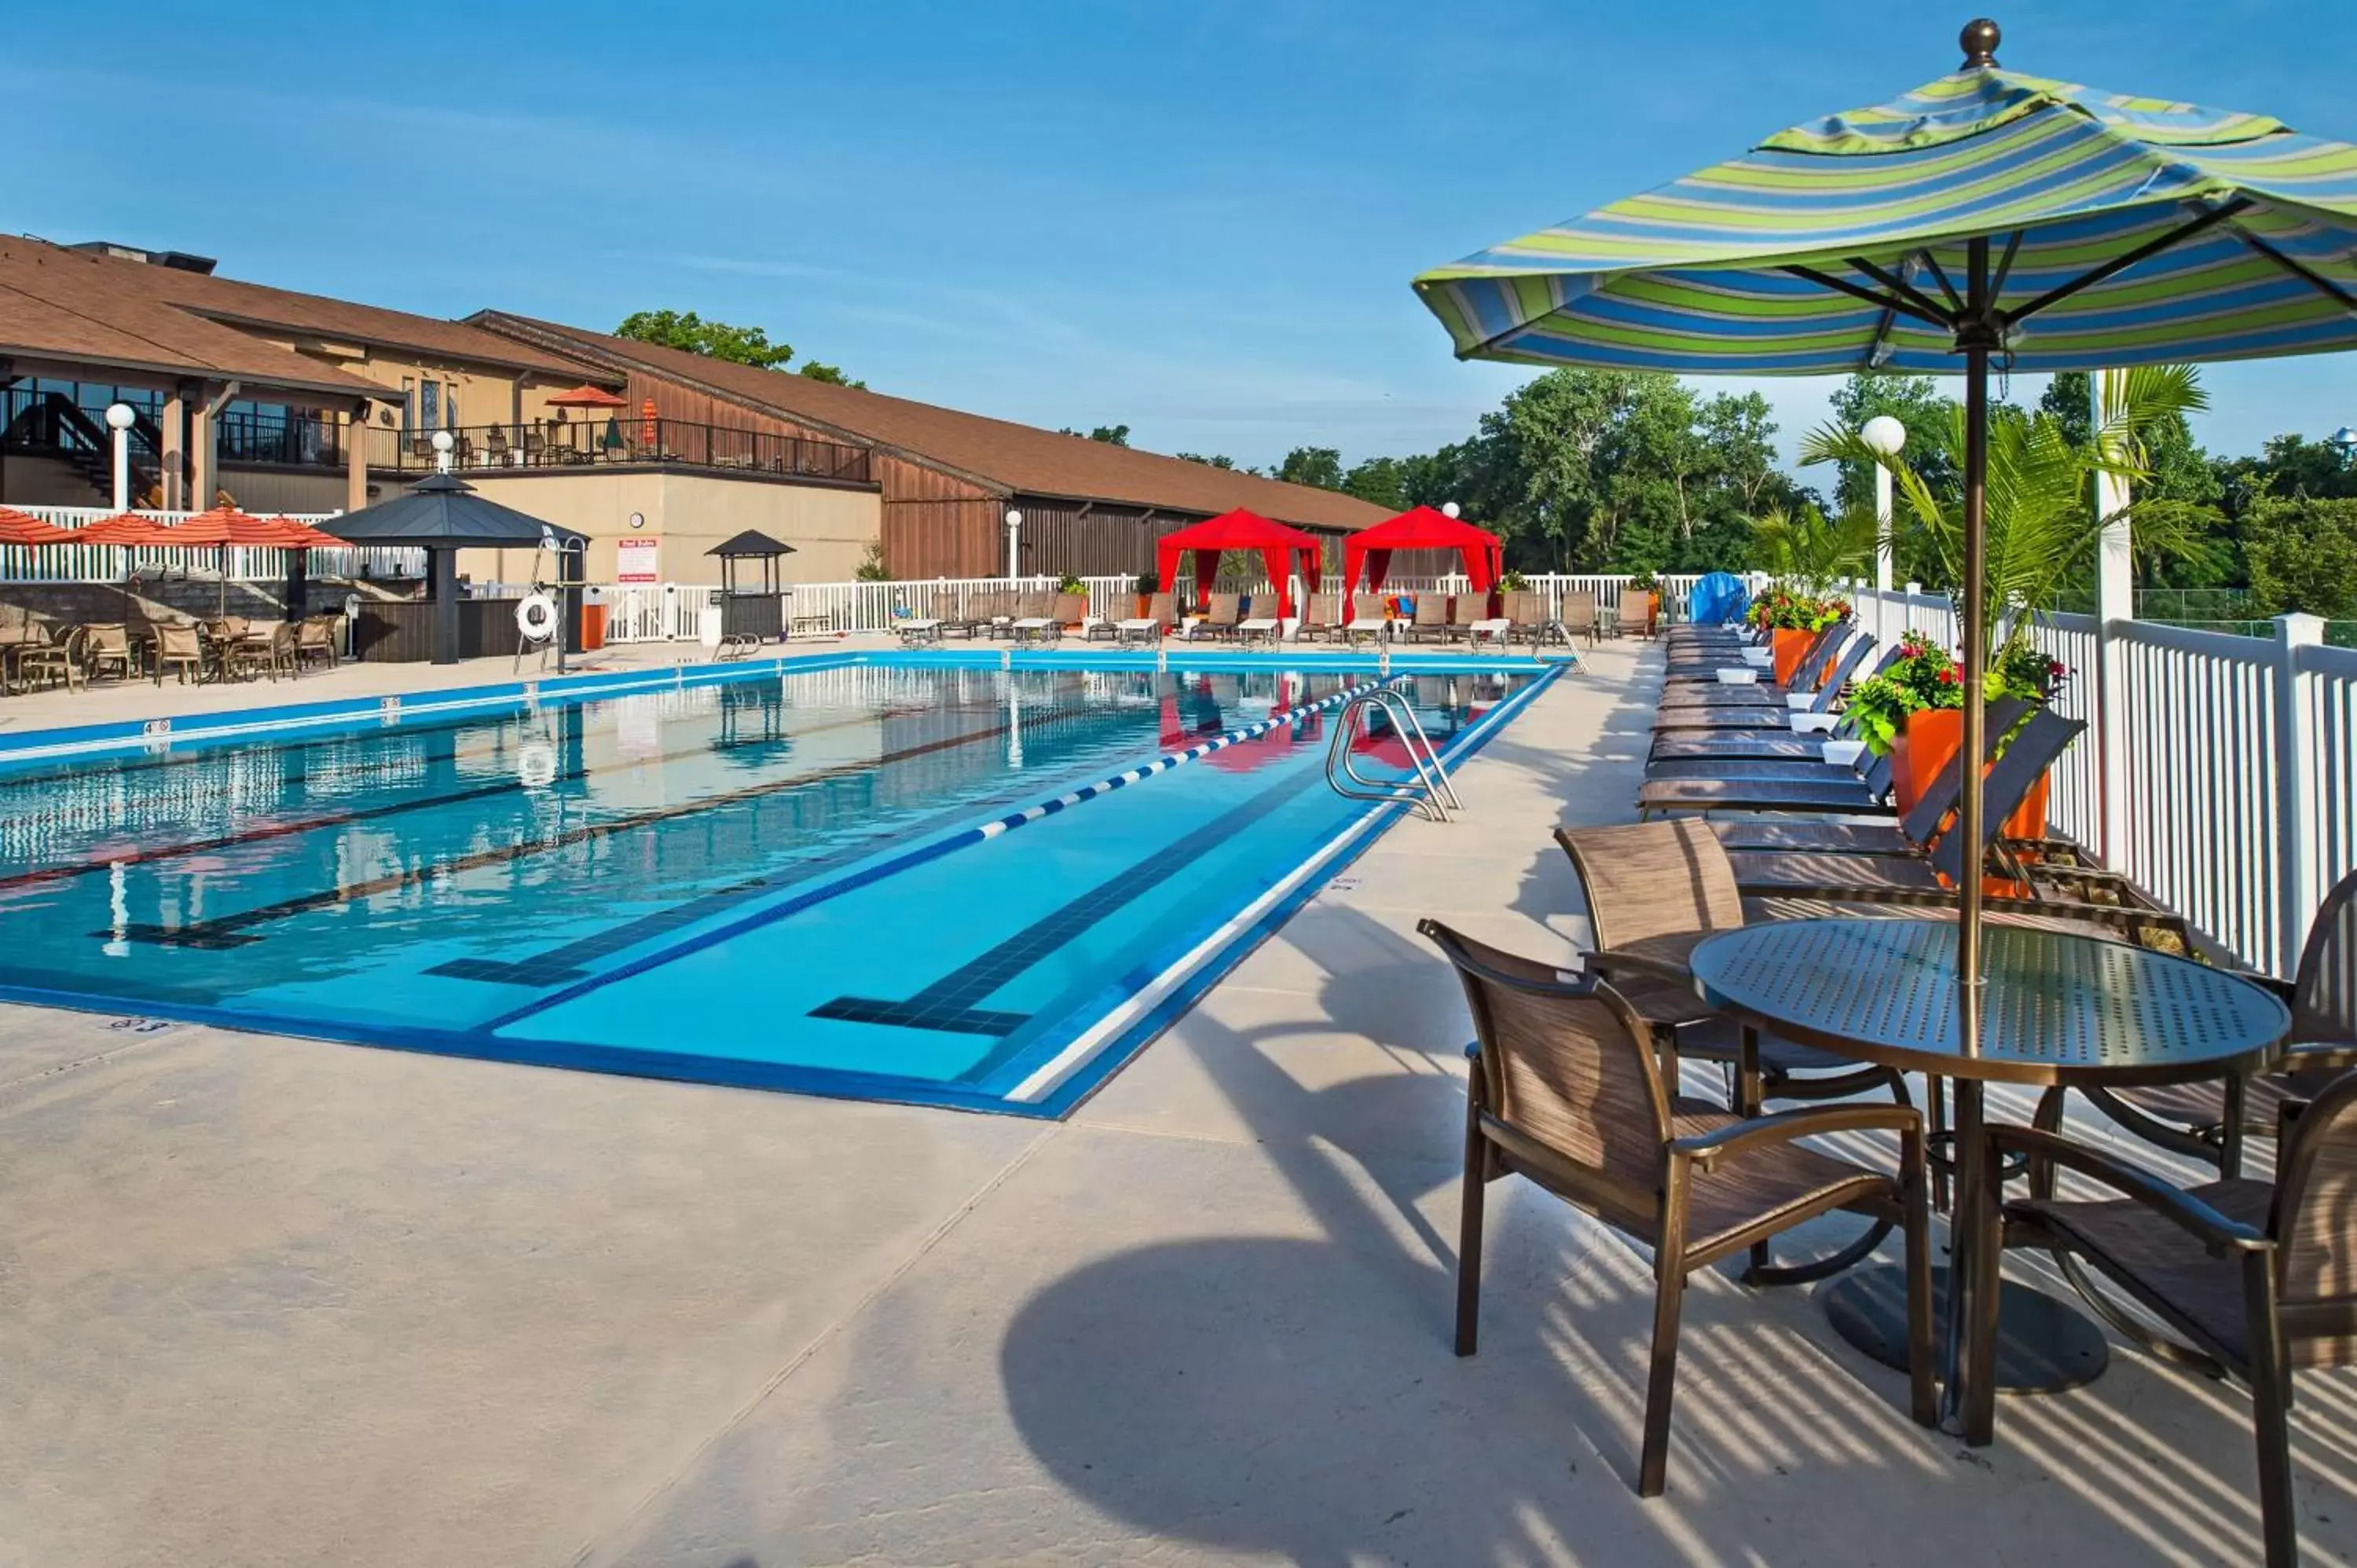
(2021, 669)
(1923, 676)
(1781, 609)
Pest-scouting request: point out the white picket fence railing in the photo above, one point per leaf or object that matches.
(246, 564)
(2236, 761)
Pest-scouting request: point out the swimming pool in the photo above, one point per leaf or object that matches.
(922, 877)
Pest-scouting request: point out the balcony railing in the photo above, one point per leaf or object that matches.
(291, 439)
(630, 439)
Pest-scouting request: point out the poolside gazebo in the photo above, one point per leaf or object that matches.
(1240, 529)
(746, 610)
(1421, 528)
(443, 515)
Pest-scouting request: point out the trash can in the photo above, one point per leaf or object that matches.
(593, 620)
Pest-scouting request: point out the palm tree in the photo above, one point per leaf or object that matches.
(1808, 549)
(2043, 529)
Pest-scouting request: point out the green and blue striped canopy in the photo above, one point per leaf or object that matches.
(1768, 264)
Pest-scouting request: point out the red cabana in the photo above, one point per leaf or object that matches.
(1240, 529)
(1421, 529)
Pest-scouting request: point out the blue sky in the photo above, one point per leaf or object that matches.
(1195, 218)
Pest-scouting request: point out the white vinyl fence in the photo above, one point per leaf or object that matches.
(2232, 764)
(245, 563)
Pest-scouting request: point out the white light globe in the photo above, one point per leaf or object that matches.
(1449, 509)
(1014, 519)
(443, 441)
(121, 416)
(1883, 434)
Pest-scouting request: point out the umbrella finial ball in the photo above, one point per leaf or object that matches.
(1979, 39)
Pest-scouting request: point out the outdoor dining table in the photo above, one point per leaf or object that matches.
(2059, 1008)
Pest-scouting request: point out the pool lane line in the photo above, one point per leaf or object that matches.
(949, 1004)
(226, 930)
(1184, 982)
(922, 854)
(268, 832)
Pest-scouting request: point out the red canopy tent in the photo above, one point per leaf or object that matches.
(1240, 529)
(1421, 528)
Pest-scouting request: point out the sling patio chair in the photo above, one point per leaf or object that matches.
(1369, 620)
(1653, 891)
(1703, 689)
(2251, 1279)
(998, 608)
(1740, 743)
(1562, 1091)
(949, 614)
(1321, 618)
(2208, 1121)
(1162, 615)
(1696, 656)
(1428, 622)
(178, 648)
(1865, 791)
(56, 661)
(1780, 717)
(1526, 617)
(1222, 612)
(107, 650)
(1579, 615)
(1465, 611)
(317, 637)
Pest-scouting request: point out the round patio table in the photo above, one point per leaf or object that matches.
(2057, 1008)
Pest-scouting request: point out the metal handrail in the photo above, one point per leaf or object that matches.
(1431, 795)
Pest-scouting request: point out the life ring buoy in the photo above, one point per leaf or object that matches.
(536, 617)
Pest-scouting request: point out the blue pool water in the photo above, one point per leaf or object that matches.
(889, 877)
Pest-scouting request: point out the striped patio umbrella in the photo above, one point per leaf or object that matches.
(1985, 215)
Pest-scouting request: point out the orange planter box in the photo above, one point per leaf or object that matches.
(1790, 647)
(1925, 744)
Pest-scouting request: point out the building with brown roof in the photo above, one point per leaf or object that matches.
(948, 479)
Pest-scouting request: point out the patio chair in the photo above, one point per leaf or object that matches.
(1368, 623)
(1744, 743)
(495, 446)
(2208, 1121)
(1579, 615)
(1465, 611)
(1699, 685)
(317, 637)
(1526, 617)
(1428, 623)
(55, 662)
(1653, 891)
(1562, 1091)
(1221, 617)
(107, 647)
(2251, 1279)
(918, 631)
(178, 648)
(1321, 618)
(1072, 610)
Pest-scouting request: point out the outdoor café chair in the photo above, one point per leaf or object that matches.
(107, 648)
(1579, 615)
(55, 661)
(316, 638)
(2251, 1279)
(178, 648)
(281, 650)
(2208, 1121)
(1564, 1091)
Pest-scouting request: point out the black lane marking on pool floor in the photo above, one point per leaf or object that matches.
(229, 930)
(948, 1004)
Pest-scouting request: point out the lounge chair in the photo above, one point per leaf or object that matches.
(1221, 613)
(1321, 618)
(1865, 792)
(1739, 743)
(1259, 628)
(2251, 1279)
(1162, 615)
(950, 613)
(1369, 622)
(178, 648)
(1430, 623)
(1034, 619)
(918, 631)
(1701, 687)
(1526, 617)
(1562, 1091)
(1579, 616)
(1465, 611)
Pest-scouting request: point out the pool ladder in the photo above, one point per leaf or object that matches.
(1430, 792)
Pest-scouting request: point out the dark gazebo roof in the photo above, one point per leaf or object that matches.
(752, 541)
(446, 511)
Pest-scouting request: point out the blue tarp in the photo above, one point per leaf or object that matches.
(1718, 600)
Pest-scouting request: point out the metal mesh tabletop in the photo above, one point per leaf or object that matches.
(2058, 1009)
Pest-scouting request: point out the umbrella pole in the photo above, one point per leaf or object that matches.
(1976, 335)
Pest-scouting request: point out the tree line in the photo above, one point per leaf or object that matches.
(1614, 471)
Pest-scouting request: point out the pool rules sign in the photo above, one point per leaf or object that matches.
(635, 559)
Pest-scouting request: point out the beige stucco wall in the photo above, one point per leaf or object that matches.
(831, 530)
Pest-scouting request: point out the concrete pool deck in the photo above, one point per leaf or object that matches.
(268, 1301)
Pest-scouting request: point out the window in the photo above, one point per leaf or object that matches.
(450, 404)
(408, 405)
(429, 413)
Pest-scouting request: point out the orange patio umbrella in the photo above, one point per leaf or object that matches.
(22, 528)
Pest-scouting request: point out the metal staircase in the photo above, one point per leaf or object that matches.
(1428, 791)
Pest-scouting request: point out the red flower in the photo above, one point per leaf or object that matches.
(1949, 677)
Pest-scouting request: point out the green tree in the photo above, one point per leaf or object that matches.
(1214, 462)
(1802, 546)
(1111, 435)
(831, 374)
(2042, 528)
(1382, 480)
(1316, 466)
(714, 339)
(2303, 555)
